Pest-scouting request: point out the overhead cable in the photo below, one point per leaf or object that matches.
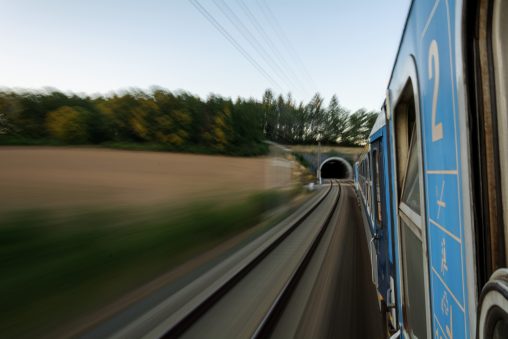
(272, 46)
(272, 20)
(208, 16)
(253, 41)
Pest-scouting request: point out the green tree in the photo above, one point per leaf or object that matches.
(315, 119)
(335, 122)
(180, 119)
(359, 126)
(172, 121)
(269, 115)
(67, 124)
(9, 114)
(246, 123)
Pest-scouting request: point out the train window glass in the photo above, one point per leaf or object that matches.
(414, 276)
(404, 123)
(411, 193)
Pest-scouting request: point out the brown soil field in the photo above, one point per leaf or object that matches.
(42, 177)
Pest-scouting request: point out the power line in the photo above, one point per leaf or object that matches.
(235, 44)
(271, 45)
(272, 20)
(253, 41)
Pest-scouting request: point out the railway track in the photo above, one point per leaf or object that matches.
(245, 295)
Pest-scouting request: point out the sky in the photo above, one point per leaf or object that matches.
(301, 47)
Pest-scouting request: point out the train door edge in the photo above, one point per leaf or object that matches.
(489, 114)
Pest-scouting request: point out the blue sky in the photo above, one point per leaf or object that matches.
(338, 47)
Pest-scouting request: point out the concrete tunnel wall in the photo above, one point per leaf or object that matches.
(335, 168)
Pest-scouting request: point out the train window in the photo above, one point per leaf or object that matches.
(410, 212)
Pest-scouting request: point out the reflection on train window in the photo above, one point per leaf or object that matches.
(411, 193)
(410, 215)
(415, 299)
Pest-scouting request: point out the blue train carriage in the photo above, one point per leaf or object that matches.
(446, 111)
(422, 110)
(381, 243)
(373, 186)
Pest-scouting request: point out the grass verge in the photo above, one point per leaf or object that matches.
(58, 265)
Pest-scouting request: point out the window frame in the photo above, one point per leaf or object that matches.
(415, 222)
(412, 215)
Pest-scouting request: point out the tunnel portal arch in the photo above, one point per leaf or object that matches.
(335, 168)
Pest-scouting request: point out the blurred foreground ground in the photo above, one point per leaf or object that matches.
(81, 227)
(56, 177)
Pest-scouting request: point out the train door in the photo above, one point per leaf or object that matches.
(410, 213)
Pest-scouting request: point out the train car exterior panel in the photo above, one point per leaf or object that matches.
(430, 45)
(443, 175)
(431, 220)
(442, 201)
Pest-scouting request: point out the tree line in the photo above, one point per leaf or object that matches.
(178, 120)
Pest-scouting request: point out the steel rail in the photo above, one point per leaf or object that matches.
(185, 322)
(268, 323)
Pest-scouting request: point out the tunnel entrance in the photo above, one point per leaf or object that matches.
(335, 168)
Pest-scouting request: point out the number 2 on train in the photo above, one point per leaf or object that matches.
(437, 129)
